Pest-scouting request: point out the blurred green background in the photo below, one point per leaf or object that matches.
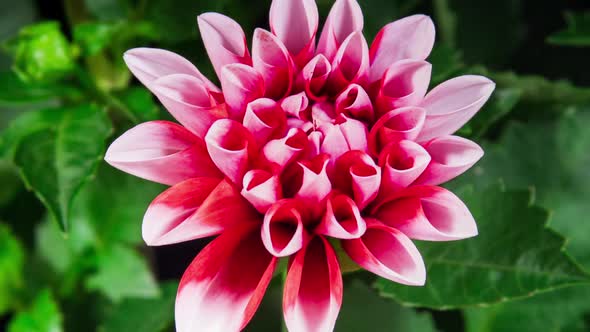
(71, 254)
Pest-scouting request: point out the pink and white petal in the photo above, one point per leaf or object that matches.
(313, 78)
(227, 279)
(313, 289)
(356, 174)
(282, 230)
(265, 120)
(149, 64)
(195, 208)
(452, 103)
(388, 253)
(354, 102)
(272, 60)
(344, 18)
(342, 218)
(400, 124)
(334, 142)
(161, 151)
(451, 156)
(427, 213)
(402, 163)
(232, 148)
(241, 84)
(295, 105)
(411, 37)
(295, 23)
(278, 153)
(354, 131)
(351, 63)
(262, 189)
(224, 40)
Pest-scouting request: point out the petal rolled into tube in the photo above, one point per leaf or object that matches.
(427, 213)
(227, 279)
(411, 37)
(313, 78)
(195, 208)
(401, 165)
(313, 289)
(224, 40)
(148, 149)
(282, 230)
(351, 63)
(355, 103)
(280, 152)
(400, 124)
(356, 174)
(265, 120)
(241, 84)
(187, 99)
(295, 105)
(272, 60)
(342, 218)
(451, 156)
(295, 23)
(388, 253)
(452, 103)
(261, 188)
(344, 18)
(232, 148)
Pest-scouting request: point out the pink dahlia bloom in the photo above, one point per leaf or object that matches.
(305, 148)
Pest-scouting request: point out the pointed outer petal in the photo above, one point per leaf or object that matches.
(227, 279)
(295, 23)
(280, 152)
(452, 103)
(427, 213)
(232, 148)
(400, 124)
(404, 84)
(313, 288)
(356, 175)
(451, 156)
(401, 163)
(224, 41)
(411, 37)
(294, 105)
(272, 60)
(388, 253)
(342, 218)
(149, 64)
(354, 102)
(241, 84)
(313, 78)
(351, 63)
(315, 138)
(161, 151)
(265, 120)
(345, 18)
(261, 189)
(187, 99)
(282, 230)
(195, 208)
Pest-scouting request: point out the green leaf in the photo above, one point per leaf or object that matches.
(141, 102)
(11, 184)
(93, 37)
(446, 62)
(497, 107)
(122, 273)
(515, 255)
(108, 9)
(43, 316)
(12, 258)
(55, 162)
(146, 315)
(577, 32)
(14, 91)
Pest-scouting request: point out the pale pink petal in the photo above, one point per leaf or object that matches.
(261, 188)
(223, 286)
(451, 156)
(354, 102)
(344, 18)
(241, 84)
(232, 148)
(313, 289)
(342, 218)
(356, 175)
(334, 142)
(295, 105)
(295, 22)
(411, 37)
(388, 253)
(282, 230)
(161, 151)
(404, 84)
(272, 60)
(195, 208)
(354, 131)
(400, 124)
(427, 213)
(452, 103)
(224, 41)
(315, 139)
(351, 63)
(280, 152)
(265, 120)
(402, 163)
(313, 78)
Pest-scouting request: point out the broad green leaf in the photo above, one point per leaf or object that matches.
(10, 181)
(141, 102)
(55, 162)
(577, 32)
(12, 259)
(93, 37)
(446, 62)
(515, 255)
(121, 272)
(146, 315)
(498, 106)
(13, 91)
(43, 316)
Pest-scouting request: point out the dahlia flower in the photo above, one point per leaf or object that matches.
(308, 152)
